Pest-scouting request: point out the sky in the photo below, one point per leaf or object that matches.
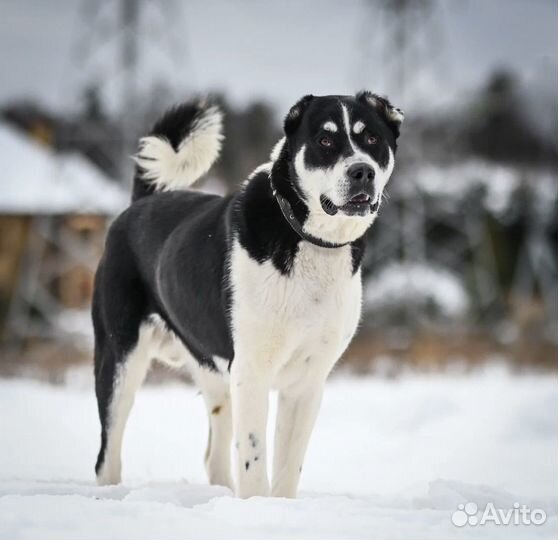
(274, 50)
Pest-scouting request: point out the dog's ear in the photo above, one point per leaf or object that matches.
(294, 117)
(392, 116)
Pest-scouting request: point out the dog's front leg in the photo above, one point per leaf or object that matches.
(250, 396)
(296, 414)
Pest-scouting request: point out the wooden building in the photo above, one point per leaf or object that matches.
(54, 210)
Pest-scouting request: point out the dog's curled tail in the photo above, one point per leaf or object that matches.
(180, 148)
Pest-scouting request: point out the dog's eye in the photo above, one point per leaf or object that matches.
(326, 141)
(370, 139)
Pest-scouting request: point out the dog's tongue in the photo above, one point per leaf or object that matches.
(360, 198)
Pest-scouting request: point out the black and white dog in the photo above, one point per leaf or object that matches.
(255, 291)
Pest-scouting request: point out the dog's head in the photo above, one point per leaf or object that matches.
(341, 151)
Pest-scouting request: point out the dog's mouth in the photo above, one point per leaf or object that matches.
(358, 205)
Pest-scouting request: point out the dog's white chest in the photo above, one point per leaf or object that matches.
(298, 323)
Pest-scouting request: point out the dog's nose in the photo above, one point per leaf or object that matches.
(361, 172)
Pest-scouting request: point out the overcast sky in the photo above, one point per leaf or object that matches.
(278, 50)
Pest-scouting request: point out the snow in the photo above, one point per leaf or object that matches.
(389, 459)
(38, 181)
(76, 323)
(499, 182)
(419, 284)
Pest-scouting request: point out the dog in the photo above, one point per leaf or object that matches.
(250, 292)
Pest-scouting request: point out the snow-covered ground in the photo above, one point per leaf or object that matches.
(389, 459)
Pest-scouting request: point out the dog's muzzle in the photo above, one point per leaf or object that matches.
(361, 197)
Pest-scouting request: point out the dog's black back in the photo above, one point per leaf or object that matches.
(153, 255)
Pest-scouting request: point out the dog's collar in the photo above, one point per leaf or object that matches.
(288, 212)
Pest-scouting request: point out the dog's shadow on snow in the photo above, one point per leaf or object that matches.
(176, 493)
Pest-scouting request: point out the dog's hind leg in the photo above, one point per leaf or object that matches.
(123, 379)
(217, 398)
(129, 376)
(121, 359)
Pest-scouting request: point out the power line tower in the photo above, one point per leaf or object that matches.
(410, 42)
(130, 56)
(408, 35)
